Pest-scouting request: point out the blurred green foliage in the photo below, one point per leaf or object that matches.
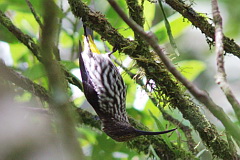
(95, 143)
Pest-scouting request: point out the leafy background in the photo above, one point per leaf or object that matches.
(196, 62)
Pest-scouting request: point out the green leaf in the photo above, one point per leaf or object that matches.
(26, 22)
(201, 153)
(7, 36)
(89, 135)
(150, 106)
(149, 16)
(25, 97)
(117, 22)
(20, 5)
(3, 6)
(69, 64)
(35, 72)
(154, 152)
(177, 23)
(65, 40)
(160, 127)
(102, 6)
(18, 51)
(169, 30)
(191, 69)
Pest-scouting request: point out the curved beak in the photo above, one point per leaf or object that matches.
(154, 133)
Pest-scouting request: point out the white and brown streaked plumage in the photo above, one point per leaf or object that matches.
(106, 92)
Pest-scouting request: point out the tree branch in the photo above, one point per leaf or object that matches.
(89, 119)
(136, 13)
(33, 47)
(196, 92)
(24, 38)
(189, 110)
(186, 130)
(201, 22)
(10, 75)
(37, 18)
(221, 76)
(63, 113)
(4, 20)
(25, 83)
(158, 74)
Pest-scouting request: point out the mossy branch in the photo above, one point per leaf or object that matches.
(186, 130)
(33, 47)
(89, 119)
(156, 72)
(202, 23)
(199, 94)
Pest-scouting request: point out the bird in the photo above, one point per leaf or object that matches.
(105, 90)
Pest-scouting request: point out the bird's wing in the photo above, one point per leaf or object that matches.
(101, 76)
(112, 94)
(88, 86)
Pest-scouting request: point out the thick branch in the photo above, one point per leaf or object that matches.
(201, 22)
(86, 117)
(62, 110)
(28, 40)
(186, 130)
(136, 13)
(16, 78)
(10, 75)
(196, 92)
(33, 47)
(156, 72)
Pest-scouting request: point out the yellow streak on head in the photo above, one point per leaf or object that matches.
(92, 45)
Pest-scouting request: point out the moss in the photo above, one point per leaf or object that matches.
(202, 23)
(167, 87)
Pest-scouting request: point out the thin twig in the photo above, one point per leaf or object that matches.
(59, 28)
(221, 76)
(33, 47)
(23, 38)
(36, 110)
(72, 36)
(37, 18)
(16, 78)
(194, 90)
